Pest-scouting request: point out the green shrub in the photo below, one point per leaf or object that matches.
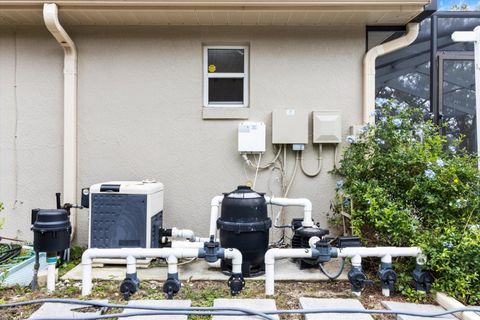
(406, 184)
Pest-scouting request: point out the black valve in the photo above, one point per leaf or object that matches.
(211, 250)
(357, 279)
(388, 276)
(236, 283)
(323, 251)
(172, 285)
(423, 279)
(129, 285)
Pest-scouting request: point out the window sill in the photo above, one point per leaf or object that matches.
(218, 113)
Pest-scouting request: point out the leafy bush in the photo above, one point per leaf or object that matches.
(409, 185)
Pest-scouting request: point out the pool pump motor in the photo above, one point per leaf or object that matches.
(300, 239)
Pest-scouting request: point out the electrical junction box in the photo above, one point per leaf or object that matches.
(327, 127)
(290, 126)
(251, 137)
(125, 214)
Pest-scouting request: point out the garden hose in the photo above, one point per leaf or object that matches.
(11, 252)
(150, 310)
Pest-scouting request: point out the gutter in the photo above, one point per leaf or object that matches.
(370, 57)
(50, 16)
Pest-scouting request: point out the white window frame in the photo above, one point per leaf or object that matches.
(207, 75)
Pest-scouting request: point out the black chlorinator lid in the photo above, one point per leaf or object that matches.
(244, 192)
(51, 220)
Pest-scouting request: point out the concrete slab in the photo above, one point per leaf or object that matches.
(315, 303)
(254, 304)
(414, 307)
(158, 303)
(200, 270)
(65, 310)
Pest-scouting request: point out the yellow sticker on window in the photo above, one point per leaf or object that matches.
(212, 68)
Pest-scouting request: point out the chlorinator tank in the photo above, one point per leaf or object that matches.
(244, 224)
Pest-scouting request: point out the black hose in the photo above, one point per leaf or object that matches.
(226, 311)
(10, 253)
(160, 310)
(336, 275)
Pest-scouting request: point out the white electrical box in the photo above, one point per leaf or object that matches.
(290, 126)
(327, 127)
(251, 137)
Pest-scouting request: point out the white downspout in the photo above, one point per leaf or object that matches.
(50, 16)
(369, 67)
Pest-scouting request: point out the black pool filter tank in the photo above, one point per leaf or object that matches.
(244, 224)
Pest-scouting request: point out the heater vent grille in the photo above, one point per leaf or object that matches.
(118, 220)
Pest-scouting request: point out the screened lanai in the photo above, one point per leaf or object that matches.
(447, 89)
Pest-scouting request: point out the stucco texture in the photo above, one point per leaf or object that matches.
(140, 113)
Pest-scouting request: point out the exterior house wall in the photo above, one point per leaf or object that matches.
(140, 113)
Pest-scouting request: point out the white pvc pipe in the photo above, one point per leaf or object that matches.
(355, 253)
(50, 16)
(51, 274)
(187, 234)
(131, 265)
(273, 254)
(369, 67)
(236, 256)
(172, 262)
(379, 252)
(215, 208)
(187, 244)
(386, 254)
(300, 202)
(90, 254)
(129, 253)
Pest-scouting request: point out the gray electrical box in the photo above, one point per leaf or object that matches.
(327, 127)
(290, 126)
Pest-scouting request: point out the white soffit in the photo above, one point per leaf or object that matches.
(228, 12)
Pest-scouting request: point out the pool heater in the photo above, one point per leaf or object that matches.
(124, 214)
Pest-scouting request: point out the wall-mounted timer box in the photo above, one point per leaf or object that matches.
(251, 137)
(327, 127)
(289, 126)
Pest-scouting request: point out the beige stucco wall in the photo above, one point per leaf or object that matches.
(140, 112)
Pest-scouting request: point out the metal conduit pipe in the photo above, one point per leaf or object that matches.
(50, 16)
(369, 67)
(171, 254)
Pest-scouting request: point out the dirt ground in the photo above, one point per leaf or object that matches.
(202, 293)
